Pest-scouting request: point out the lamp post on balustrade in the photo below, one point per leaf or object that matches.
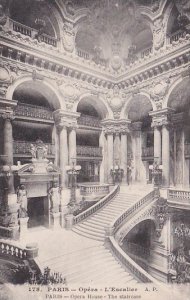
(73, 170)
(116, 173)
(156, 169)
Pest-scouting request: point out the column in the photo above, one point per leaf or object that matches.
(63, 156)
(110, 155)
(103, 163)
(123, 155)
(166, 155)
(72, 145)
(8, 150)
(117, 146)
(157, 143)
(138, 151)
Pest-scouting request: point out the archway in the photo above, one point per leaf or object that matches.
(33, 117)
(89, 142)
(141, 138)
(179, 101)
(137, 243)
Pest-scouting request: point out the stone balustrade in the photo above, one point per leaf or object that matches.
(9, 250)
(180, 198)
(80, 217)
(148, 152)
(176, 36)
(32, 111)
(128, 214)
(89, 121)
(94, 189)
(83, 54)
(89, 151)
(127, 262)
(23, 148)
(146, 52)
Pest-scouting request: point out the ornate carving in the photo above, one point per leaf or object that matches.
(160, 214)
(158, 33)
(22, 200)
(68, 37)
(55, 198)
(116, 99)
(183, 7)
(3, 15)
(39, 150)
(159, 89)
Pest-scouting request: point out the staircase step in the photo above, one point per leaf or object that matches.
(88, 235)
(87, 226)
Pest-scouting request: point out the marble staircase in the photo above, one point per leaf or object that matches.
(94, 227)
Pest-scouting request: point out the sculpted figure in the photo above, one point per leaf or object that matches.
(22, 200)
(55, 198)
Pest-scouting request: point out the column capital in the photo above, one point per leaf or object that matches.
(7, 108)
(121, 126)
(65, 119)
(162, 117)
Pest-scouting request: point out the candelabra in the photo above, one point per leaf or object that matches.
(156, 169)
(73, 170)
(116, 173)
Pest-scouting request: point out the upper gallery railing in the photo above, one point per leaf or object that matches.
(148, 151)
(89, 151)
(32, 111)
(31, 32)
(89, 121)
(23, 147)
(85, 214)
(174, 37)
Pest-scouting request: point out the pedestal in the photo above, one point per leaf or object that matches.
(23, 227)
(69, 221)
(56, 220)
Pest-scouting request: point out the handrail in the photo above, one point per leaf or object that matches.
(96, 206)
(139, 272)
(178, 195)
(129, 213)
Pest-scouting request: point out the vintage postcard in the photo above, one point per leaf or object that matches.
(94, 149)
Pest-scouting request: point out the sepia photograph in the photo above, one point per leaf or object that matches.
(94, 149)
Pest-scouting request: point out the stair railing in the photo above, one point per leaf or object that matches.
(85, 214)
(129, 264)
(7, 249)
(133, 209)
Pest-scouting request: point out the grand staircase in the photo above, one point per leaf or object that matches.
(94, 227)
(81, 255)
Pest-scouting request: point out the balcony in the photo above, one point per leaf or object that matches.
(176, 36)
(89, 152)
(22, 149)
(31, 32)
(179, 199)
(147, 153)
(89, 121)
(28, 111)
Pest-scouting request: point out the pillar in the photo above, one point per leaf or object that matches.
(117, 146)
(138, 152)
(110, 155)
(63, 155)
(166, 155)
(157, 143)
(103, 163)
(72, 145)
(123, 155)
(8, 150)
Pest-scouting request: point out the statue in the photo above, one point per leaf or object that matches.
(55, 197)
(22, 200)
(3, 15)
(39, 150)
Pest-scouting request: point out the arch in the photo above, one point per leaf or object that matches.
(44, 87)
(100, 105)
(176, 83)
(127, 106)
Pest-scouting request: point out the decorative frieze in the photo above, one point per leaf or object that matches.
(116, 126)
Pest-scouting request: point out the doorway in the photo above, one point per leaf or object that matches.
(38, 208)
